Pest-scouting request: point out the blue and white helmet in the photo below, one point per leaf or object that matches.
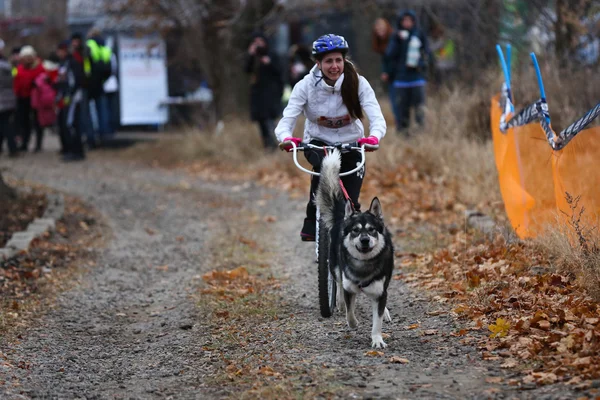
(328, 44)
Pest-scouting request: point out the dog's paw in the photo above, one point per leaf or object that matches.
(378, 342)
(352, 323)
(386, 315)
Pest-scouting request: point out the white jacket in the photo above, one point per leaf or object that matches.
(327, 117)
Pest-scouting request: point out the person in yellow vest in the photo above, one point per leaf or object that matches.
(99, 70)
(14, 59)
(443, 49)
(82, 64)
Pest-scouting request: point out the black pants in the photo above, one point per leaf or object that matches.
(7, 130)
(75, 124)
(63, 132)
(352, 183)
(413, 97)
(266, 131)
(25, 113)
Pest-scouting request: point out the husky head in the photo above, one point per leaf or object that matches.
(364, 233)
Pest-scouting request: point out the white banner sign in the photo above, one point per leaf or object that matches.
(143, 80)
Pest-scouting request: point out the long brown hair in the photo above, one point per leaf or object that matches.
(350, 90)
(380, 35)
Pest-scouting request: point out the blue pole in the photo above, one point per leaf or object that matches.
(503, 65)
(506, 73)
(508, 60)
(539, 79)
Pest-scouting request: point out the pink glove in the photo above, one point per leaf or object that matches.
(371, 140)
(288, 147)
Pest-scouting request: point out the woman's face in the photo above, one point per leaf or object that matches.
(408, 22)
(27, 60)
(332, 66)
(381, 29)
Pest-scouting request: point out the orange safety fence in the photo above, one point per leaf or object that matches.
(535, 177)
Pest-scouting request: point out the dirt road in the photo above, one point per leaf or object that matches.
(136, 328)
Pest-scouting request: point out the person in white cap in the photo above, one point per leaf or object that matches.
(29, 69)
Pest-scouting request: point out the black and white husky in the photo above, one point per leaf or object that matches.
(361, 254)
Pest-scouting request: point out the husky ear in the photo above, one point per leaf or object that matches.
(375, 208)
(349, 210)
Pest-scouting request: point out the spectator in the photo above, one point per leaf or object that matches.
(62, 98)
(300, 63)
(99, 57)
(43, 95)
(405, 63)
(8, 104)
(72, 100)
(111, 90)
(266, 87)
(30, 67)
(15, 60)
(380, 39)
(78, 55)
(443, 51)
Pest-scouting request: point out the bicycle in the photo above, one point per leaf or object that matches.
(327, 282)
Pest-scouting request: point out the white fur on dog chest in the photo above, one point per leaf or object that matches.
(374, 290)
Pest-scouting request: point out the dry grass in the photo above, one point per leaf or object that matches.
(573, 244)
(570, 92)
(450, 148)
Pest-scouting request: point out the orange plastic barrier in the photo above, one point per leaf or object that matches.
(534, 179)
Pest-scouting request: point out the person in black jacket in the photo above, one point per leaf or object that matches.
(8, 103)
(405, 64)
(72, 82)
(266, 87)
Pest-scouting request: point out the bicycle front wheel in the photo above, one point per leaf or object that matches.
(327, 283)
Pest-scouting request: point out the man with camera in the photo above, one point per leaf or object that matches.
(266, 87)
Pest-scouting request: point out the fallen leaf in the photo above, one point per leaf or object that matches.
(185, 184)
(543, 324)
(413, 326)
(510, 363)
(582, 361)
(398, 360)
(499, 329)
(545, 378)
(436, 312)
(374, 353)
(493, 379)
(429, 332)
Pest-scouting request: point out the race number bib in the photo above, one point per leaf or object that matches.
(335, 122)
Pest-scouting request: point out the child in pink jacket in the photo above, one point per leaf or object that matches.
(43, 98)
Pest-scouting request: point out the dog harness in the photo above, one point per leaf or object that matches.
(364, 285)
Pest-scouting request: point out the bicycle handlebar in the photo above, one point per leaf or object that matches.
(340, 146)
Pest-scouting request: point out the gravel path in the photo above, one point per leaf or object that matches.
(133, 328)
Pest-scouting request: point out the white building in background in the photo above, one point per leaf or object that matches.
(141, 60)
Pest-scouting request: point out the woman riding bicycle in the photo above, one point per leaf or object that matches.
(334, 99)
